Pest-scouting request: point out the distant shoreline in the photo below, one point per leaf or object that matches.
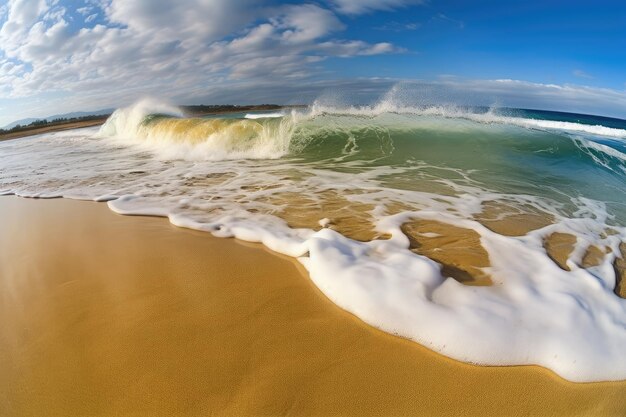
(192, 111)
(52, 127)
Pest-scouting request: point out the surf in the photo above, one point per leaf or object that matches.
(277, 134)
(483, 235)
(166, 130)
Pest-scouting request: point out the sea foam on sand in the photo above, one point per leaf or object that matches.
(571, 322)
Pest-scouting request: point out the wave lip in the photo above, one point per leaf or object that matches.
(125, 122)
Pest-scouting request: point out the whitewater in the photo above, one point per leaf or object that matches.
(348, 191)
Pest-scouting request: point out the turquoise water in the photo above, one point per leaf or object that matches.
(555, 164)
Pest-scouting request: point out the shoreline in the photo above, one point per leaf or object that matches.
(158, 320)
(39, 130)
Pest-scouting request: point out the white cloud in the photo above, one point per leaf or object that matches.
(306, 23)
(355, 7)
(22, 15)
(233, 51)
(84, 10)
(355, 48)
(189, 20)
(159, 45)
(449, 90)
(526, 94)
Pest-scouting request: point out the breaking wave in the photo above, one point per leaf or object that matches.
(166, 130)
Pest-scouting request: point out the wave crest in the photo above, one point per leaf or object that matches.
(481, 115)
(165, 130)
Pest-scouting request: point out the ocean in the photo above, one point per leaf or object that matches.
(493, 236)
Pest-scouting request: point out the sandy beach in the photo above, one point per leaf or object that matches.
(117, 315)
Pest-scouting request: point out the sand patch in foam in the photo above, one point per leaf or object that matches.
(458, 250)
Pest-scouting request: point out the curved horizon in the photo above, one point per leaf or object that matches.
(59, 57)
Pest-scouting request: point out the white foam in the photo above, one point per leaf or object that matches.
(566, 126)
(601, 154)
(125, 122)
(275, 140)
(391, 105)
(535, 313)
(263, 115)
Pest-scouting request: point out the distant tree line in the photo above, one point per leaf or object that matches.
(57, 121)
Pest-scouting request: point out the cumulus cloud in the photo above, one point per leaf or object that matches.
(196, 51)
(306, 23)
(21, 16)
(188, 20)
(159, 45)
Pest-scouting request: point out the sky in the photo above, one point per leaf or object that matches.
(61, 56)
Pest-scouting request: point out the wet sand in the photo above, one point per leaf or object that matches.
(107, 315)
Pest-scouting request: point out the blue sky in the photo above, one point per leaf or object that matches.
(67, 55)
(541, 41)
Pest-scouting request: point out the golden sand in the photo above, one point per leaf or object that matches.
(509, 220)
(106, 315)
(458, 250)
(351, 219)
(559, 246)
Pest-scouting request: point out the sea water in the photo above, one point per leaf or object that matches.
(335, 186)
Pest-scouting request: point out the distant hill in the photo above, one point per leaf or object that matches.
(24, 122)
(21, 122)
